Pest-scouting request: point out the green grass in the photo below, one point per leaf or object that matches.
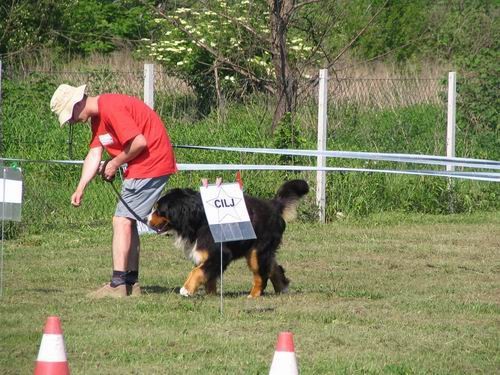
(389, 294)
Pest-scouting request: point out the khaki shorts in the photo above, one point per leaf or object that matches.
(139, 195)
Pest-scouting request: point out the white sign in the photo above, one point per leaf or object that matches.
(224, 204)
(226, 212)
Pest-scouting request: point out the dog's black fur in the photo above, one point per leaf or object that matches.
(180, 211)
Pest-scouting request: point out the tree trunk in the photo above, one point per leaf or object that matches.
(286, 81)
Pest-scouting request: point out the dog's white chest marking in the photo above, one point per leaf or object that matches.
(189, 249)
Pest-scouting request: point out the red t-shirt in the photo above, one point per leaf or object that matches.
(121, 118)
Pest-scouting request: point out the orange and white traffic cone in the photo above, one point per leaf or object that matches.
(284, 361)
(52, 355)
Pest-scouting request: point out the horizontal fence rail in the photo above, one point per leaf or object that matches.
(404, 158)
(391, 157)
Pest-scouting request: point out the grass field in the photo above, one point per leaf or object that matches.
(391, 294)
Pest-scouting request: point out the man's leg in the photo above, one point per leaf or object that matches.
(122, 241)
(132, 277)
(135, 249)
(125, 254)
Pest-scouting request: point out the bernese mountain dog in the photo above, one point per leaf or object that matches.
(180, 212)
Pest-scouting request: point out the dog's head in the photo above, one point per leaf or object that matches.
(179, 210)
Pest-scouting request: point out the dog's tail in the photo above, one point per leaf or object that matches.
(288, 196)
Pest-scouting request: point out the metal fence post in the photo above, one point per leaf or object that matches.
(452, 108)
(450, 133)
(1, 122)
(149, 88)
(322, 126)
(3, 198)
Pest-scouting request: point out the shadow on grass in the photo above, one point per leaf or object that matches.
(242, 294)
(156, 289)
(45, 290)
(258, 310)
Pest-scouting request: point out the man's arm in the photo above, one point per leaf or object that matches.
(132, 149)
(90, 167)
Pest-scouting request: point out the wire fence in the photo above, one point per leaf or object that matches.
(48, 187)
(388, 93)
(175, 99)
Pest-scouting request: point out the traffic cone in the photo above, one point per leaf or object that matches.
(52, 355)
(284, 361)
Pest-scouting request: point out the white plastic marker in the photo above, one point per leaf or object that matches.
(11, 197)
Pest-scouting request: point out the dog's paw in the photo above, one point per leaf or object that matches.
(184, 292)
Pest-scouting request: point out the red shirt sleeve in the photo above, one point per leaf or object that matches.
(122, 123)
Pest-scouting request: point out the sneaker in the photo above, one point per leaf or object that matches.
(109, 291)
(134, 290)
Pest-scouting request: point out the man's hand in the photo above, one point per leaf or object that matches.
(76, 198)
(90, 167)
(108, 170)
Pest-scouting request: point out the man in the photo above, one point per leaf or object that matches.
(131, 133)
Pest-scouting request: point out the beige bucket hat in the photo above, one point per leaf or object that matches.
(64, 99)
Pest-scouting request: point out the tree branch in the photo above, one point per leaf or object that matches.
(385, 53)
(361, 32)
(237, 68)
(305, 2)
(315, 78)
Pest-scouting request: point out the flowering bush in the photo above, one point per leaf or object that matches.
(218, 45)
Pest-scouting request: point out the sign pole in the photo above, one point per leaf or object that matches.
(3, 233)
(221, 297)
